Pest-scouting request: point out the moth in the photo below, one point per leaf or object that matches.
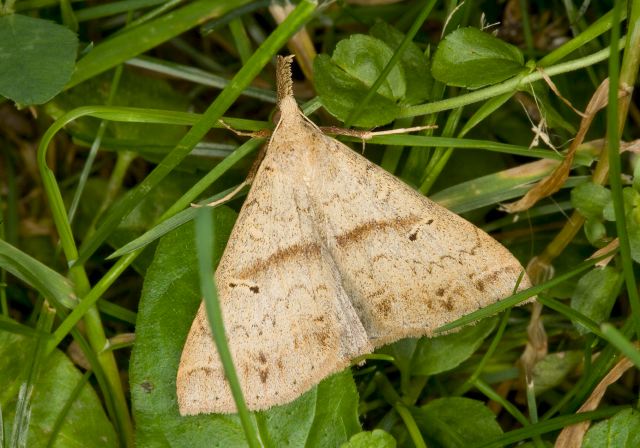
(330, 258)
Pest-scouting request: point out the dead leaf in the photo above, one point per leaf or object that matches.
(571, 436)
(554, 181)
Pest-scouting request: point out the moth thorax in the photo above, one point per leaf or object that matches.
(288, 108)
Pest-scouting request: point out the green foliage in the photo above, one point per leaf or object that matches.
(371, 439)
(40, 277)
(472, 58)
(455, 422)
(590, 199)
(38, 58)
(343, 80)
(85, 423)
(430, 356)
(620, 431)
(340, 93)
(415, 64)
(554, 368)
(596, 294)
(631, 198)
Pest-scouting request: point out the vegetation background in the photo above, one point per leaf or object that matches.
(110, 129)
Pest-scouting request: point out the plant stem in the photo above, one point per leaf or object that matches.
(614, 130)
(511, 85)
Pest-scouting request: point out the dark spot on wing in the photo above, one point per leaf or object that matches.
(383, 307)
(447, 304)
(322, 337)
(254, 289)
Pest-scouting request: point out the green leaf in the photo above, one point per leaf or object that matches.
(324, 416)
(596, 293)
(631, 199)
(636, 177)
(596, 232)
(442, 353)
(403, 352)
(455, 422)
(590, 199)
(340, 93)
(620, 431)
(551, 370)
(472, 58)
(85, 423)
(417, 70)
(343, 80)
(374, 439)
(364, 57)
(634, 239)
(37, 58)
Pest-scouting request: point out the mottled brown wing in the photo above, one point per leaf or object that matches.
(408, 265)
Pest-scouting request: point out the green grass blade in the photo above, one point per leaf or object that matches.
(619, 341)
(167, 226)
(73, 396)
(197, 76)
(117, 312)
(615, 179)
(452, 142)
(45, 280)
(11, 326)
(149, 35)
(572, 314)
(172, 218)
(547, 426)
(597, 28)
(113, 8)
(494, 396)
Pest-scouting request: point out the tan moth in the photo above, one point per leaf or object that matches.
(330, 258)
